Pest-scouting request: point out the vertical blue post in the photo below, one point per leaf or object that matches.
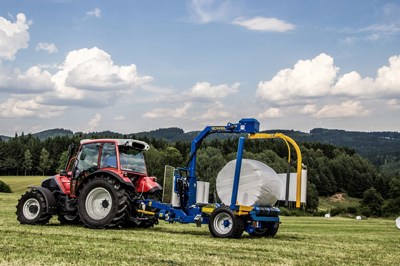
(236, 178)
(192, 177)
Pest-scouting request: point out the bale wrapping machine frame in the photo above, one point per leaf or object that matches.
(223, 220)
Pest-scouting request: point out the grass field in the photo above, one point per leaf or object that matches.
(300, 241)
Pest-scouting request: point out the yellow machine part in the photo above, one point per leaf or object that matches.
(146, 212)
(298, 152)
(243, 210)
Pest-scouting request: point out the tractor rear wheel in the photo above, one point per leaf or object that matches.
(225, 224)
(102, 203)
(31, 209)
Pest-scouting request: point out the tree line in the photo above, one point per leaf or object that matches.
(331, 169)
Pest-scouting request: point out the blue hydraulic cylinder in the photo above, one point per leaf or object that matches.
(238, 168)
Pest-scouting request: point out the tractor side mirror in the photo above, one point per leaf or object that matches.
(63, 173)
(83, 156)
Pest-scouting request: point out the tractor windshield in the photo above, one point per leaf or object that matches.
(132, 160)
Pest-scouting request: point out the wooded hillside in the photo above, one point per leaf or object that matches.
(331, 168)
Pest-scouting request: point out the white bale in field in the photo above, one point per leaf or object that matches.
(398, 222)
(327, 215)
(259, 184)
(358, 217)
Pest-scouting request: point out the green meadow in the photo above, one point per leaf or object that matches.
(300, 241)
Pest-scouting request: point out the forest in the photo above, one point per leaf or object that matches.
(331, 169)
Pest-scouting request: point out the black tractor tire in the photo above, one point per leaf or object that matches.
(143, 220)
(31, 209)
(69, 219)
(270, 229)
(102, 203)
(225, 224)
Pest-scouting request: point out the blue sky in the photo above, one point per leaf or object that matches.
(131, 66)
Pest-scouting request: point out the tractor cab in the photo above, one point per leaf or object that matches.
(118, 155)
(122, 158)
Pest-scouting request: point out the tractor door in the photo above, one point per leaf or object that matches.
(87, 162)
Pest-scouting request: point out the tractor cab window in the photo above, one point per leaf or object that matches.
(108, 156)
(132, 160)
(87, 158)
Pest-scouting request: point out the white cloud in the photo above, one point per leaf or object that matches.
(309, 109)
(308, 79)
(311, 80)
(205, 90)
(311, 83)
(271, 113)
(15, 108)
(214, 111)
(93, 69)
(388, 79)
(343, 110)
(94, 122)
(387, 24)
(34, 80)
(119, 118)
(89, 75)
(50, 48)
(352, 84)
(393, 104)
(13, 36)
(264, 24)
(87, 78)
(168, 113)
(206, 11)
(94, 13)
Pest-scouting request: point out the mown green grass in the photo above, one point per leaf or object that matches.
(300, 241)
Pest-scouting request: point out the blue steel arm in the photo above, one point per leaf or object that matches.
(236, 178)
(246, 125)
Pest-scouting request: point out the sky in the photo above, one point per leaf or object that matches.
(130, 66)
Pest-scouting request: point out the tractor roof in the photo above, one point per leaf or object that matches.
(137, 144)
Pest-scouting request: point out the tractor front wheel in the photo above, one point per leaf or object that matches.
(31, 209)
(102, 203)
(225, 224)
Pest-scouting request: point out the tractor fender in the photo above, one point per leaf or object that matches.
(126, 181)
(148, 185)
(51, 203)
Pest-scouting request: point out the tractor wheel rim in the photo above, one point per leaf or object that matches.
(31, 209)
(223, 223)
(98, 203)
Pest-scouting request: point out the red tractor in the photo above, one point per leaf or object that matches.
(102, 186)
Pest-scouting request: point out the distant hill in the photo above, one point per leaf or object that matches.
(53, 133)
(170, 134)
(5, 138)
(378, 147)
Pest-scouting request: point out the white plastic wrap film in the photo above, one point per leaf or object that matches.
(259, 184)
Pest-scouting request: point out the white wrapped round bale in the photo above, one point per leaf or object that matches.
(259, 184)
